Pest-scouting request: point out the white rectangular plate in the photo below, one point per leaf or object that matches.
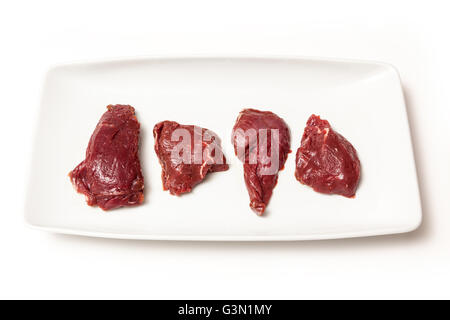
(362, 100)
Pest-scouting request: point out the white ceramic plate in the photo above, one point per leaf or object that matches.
(362, 100)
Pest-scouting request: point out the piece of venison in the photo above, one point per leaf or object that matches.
(261, 158)
(186, 163)
(326, 161)
(111, 176)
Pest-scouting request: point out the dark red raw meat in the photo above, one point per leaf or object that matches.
(259, 178)
(111, 176)
(181, 176)
(326, 161)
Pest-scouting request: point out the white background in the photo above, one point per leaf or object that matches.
(412, 35)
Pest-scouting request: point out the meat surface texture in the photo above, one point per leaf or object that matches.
(326, 161)
(111, 176)
(182, 169)
(261, 166)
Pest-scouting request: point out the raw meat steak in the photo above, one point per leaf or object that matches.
(252, 140)
(326, 161)
(111, 176)
(187, 154)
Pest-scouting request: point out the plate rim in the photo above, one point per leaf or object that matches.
(249, 238)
